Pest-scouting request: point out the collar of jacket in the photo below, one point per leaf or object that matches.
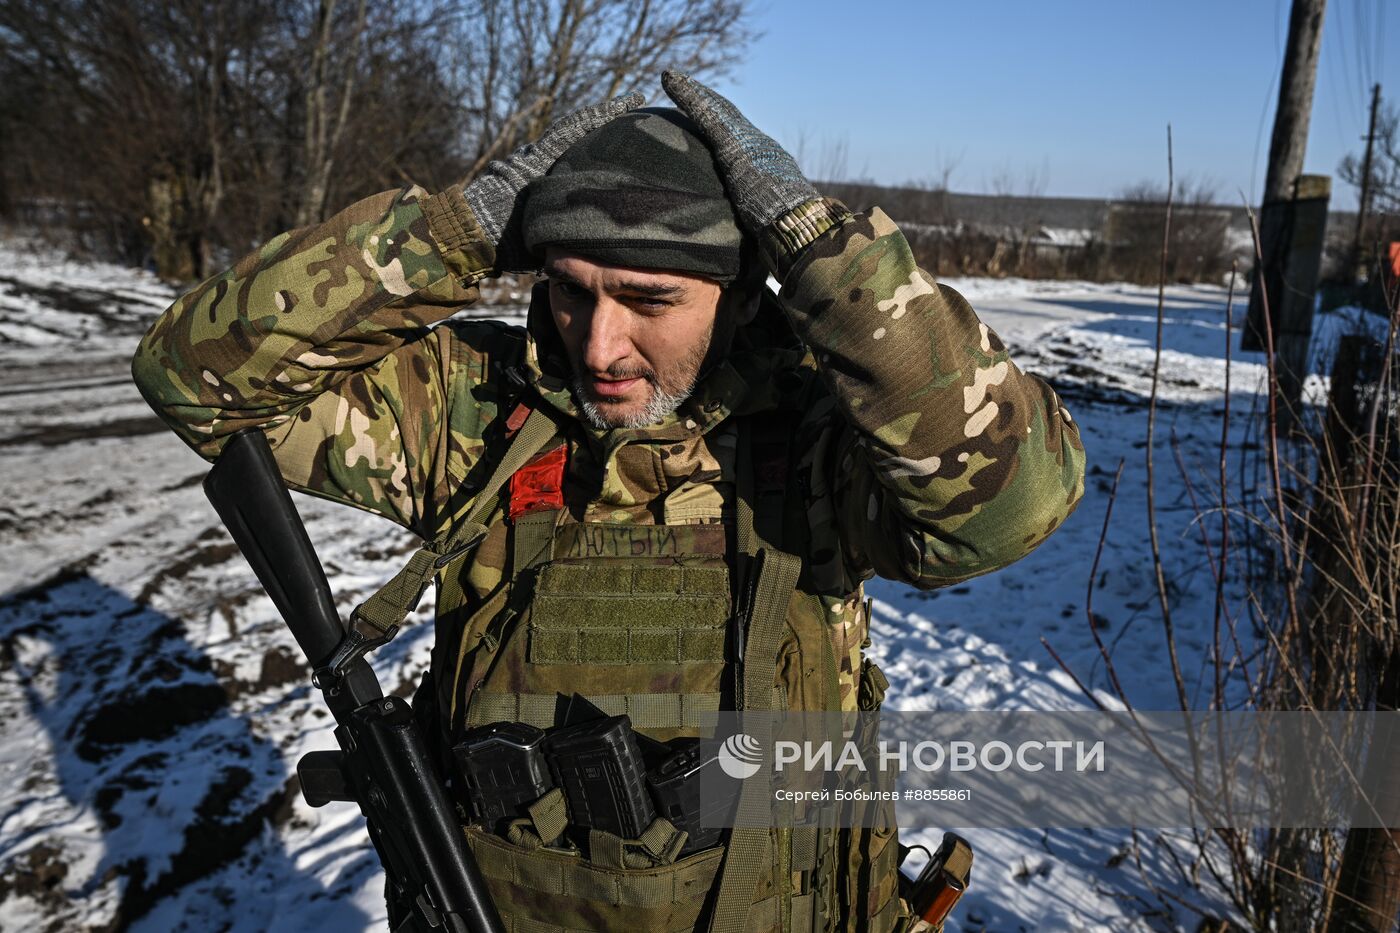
(762, 371)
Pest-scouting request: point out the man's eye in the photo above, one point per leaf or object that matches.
(571, 290)
(647, 303)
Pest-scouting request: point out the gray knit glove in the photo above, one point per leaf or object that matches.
(774, 200)
(492, 194)
(764, 182)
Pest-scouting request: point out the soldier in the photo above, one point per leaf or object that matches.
(863, 420)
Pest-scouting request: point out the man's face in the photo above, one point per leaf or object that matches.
(637, 338)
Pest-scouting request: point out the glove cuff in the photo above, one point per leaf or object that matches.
(466, 249)
(785, 238)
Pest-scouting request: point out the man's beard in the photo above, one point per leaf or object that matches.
(662, 402)
(657, 407)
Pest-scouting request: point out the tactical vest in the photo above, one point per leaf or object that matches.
(640, 620)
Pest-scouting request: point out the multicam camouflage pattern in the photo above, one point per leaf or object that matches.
(926, 457)
(946, 460)
(942, 459)
(308, 338)
(921, 452)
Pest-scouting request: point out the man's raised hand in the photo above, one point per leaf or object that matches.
(492, 194)
(775, 202)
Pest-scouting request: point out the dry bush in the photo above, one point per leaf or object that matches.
(1307, 524)
(1319, 556)
(1198, 250)
(1337, 645)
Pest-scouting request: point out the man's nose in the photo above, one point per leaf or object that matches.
(609, 339)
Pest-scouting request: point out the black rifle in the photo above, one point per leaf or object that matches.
(383, 764)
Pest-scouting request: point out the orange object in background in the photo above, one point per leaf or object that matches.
(1395, 259)
(941, 883)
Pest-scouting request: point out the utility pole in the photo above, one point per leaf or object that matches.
(1295, 94)
(1293, 217)
(1357, 256)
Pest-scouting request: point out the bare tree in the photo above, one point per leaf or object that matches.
(129, 125)
(1037, 180)
(522, 63)
(828, 162)
(324, 130)
(179, 132)
(941, 168)
(1001, 183)
(1006, 182)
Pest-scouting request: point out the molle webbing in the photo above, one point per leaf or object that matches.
(750, 842)
(597, 614)
(641, 633)
(659, 844)
(647, 710)
(635, 617)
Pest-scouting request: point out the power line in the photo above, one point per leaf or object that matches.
(1363, 198)
(1344, 50)
(1335, 85)
(1380, 39)
(1268, 98)
(1363, 69)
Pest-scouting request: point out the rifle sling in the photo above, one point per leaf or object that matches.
(385, 610)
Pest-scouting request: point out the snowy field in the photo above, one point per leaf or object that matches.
(152, 708)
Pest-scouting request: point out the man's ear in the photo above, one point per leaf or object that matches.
(747, 289)
(741, 302)
(540, 323)
(538, 315)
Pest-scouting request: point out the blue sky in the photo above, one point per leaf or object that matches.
(1071, 98)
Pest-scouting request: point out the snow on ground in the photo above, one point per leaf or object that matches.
(152, 708)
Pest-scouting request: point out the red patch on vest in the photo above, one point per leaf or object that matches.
(539, 484)
(517, 418)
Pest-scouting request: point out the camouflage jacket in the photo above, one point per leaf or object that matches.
(925, 455)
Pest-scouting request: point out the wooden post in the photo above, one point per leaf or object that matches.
(1286, 149)
(1358, 253)
(1298, 228)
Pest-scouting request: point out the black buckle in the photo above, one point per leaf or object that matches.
(355, 645)
(452, 555)
(445, 559)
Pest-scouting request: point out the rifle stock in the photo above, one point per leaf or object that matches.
(246, 490)
(383, 764)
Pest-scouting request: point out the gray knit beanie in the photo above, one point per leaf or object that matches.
(641, 191)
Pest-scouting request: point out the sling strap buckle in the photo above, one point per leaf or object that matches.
(356, 644)
(452, 554)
